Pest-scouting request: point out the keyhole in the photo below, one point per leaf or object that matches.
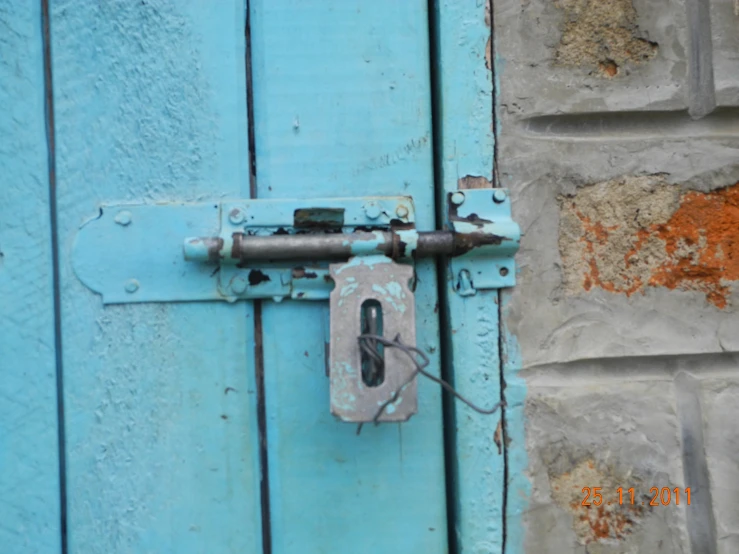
(373, 362)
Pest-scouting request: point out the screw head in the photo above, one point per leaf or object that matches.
(458, 198)
(123, 218)
(238, 285)
(372, 210)
(503, 271)
(132, 285)
(237, 216)
(401, 211)
(499, 196)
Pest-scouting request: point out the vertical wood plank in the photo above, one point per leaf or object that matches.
(150, 101)
(342, 108)
(465, 150)
(29, 451)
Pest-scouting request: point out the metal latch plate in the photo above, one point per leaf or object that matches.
(485, 212)
(362, 279)
(133, 253)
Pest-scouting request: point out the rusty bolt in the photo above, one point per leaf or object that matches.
(132, 285)
(499, 196)
(236, 216)
(458, 198)
(123, 218)
(372, 210)
(238, 285)
(401, 211)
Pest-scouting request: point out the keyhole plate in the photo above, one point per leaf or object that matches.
(371, 278)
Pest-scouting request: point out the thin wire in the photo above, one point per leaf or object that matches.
(368, 344)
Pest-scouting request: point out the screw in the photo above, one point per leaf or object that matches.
(132, 285)
(372, 210)
(401, 211)
(458, 198)
(499, 196)
(504, 271)
(237, 216)
(238, 285)
(123, 218)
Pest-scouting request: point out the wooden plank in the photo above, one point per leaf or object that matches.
(342, 108)
(518, 490)
(465, 143)
(29, 450)
(162, 443)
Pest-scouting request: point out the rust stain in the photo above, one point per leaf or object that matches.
(685, 242)
(498, 436)
(608, 68)
(474, 182)
(301, 273)
(702, 242)
(611, 520)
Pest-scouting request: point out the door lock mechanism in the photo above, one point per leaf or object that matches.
(356, 252)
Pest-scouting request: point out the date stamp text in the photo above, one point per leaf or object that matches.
(594, 496)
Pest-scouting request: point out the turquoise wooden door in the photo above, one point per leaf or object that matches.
(204, 426)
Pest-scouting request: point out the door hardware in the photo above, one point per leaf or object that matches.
(356, 252)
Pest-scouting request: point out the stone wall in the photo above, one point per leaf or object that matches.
(618, 136)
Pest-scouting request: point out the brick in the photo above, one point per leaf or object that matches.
(606, 435)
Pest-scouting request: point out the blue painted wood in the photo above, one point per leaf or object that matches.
(518, 486)
(160, 398)
(466, 152)
(342, 108)
(29, 462)
(518, 492)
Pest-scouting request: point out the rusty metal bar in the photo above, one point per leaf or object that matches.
(336, 246)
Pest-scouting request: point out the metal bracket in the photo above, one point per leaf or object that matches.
(134, 253)
(490, 264)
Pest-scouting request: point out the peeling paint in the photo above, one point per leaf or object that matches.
(632, 233)
(602, 36)
(474, 182)
(257, 276)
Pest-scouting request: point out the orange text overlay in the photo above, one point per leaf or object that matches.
(596, 496)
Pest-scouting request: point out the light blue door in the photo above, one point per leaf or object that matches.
(190, 425)
(342, 108)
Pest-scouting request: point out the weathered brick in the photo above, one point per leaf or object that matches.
(619, 141)
(606, 435)
(588, 55)
(720, 401)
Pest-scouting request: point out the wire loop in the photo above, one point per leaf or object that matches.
(368, 344)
